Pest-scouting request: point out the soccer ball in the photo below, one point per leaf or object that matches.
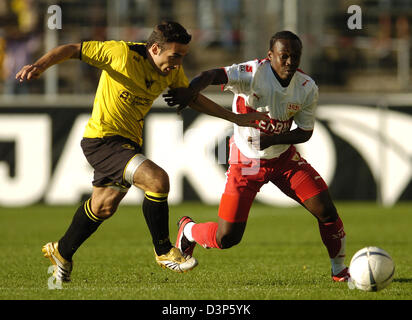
(371, 269)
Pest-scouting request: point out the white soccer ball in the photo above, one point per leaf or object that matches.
(371, 269)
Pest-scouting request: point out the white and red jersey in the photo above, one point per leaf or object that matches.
(256, 88)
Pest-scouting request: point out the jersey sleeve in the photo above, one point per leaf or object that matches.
(305, 118)
(180, 80)
(240, 77)
(104, 55)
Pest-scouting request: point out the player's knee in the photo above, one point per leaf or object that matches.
(322, 207)
(327, 213)
(160, 182)
(104, 209)
(229, 240)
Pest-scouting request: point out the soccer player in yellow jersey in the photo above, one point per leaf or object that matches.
(133, 76)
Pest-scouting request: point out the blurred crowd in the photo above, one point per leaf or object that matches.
(335, 56)
(23, 30)
(20, 38)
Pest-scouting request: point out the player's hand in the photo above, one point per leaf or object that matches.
(262, 141)
(29, 72)
(250, 119)
(180, 97)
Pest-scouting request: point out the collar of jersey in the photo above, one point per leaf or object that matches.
(140, 48)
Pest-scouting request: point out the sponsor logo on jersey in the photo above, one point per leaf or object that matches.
(275, 126)
(133, 100)
(292, 108)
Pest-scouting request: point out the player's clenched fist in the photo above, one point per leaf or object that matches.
(29, 72)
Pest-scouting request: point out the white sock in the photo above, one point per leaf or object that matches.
(338, 263)
(187, 231)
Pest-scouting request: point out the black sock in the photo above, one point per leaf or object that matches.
(83, 225)
(156, 212)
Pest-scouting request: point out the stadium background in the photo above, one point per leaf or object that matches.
(362, 142)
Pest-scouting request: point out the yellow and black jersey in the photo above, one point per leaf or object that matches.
(127, 88)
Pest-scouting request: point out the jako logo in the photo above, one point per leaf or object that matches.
(381, 138)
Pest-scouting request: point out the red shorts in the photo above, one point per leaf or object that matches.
(289, 172)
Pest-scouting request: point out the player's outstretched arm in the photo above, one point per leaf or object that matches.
(291, 137)
(54, 56)
(182, 97)
(207, 106)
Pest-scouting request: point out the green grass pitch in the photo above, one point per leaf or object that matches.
(281, 256)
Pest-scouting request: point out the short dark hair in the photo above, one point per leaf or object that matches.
(283, 35)
(168, 31)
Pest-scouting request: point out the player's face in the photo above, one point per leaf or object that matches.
(285, 57)
(170, 57)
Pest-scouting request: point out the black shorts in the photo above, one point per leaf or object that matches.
(109, 157)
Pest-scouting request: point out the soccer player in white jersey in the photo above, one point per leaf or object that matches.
(258, 156)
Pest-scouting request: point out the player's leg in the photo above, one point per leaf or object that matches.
(221, 234)
(86, 220)
(154, 181)
(244, 179)
(88, 217)
(301, 182)
(331, 231)
(108, 157)
(233, 214)
(229, 234)
(228, 231)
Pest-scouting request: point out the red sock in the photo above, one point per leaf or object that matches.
(205, 234)
(332, 234)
